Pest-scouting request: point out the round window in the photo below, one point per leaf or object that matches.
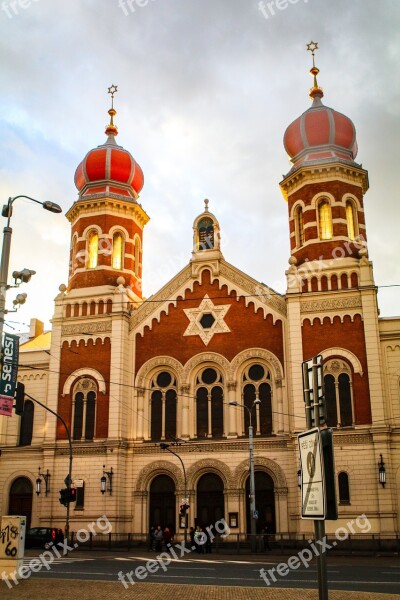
(209, 376)
(256, 372)
(164, 379)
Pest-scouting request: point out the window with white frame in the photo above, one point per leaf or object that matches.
(84, 409)
(338, 393)
(163, 400)
(209, 404)
(256, 385)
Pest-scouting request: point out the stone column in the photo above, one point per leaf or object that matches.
(232, 412)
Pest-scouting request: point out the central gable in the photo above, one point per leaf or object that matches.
(211, 312)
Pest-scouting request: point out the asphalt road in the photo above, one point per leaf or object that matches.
(381, 574)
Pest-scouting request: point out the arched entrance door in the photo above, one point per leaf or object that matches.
(20, 499)
(162, 502)
(265, 502)
(210, 500)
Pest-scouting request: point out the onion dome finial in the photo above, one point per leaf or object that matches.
(315, 91)
(111, 128)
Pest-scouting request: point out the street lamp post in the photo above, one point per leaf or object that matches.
(252, 482)
(165, 446)
(5, 252)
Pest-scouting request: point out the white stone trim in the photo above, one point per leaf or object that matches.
(84, 372)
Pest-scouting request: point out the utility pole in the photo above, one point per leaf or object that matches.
(68, 479)
(312, 413)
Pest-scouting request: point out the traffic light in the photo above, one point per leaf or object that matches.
(67, 495)
(64, 496)
(19, 399)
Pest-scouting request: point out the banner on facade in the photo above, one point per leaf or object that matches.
(9, 372)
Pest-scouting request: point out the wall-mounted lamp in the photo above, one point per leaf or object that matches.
(103, 481)
(382, 472)
(299, 478)
(46, 479)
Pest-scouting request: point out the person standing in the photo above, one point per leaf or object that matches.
(158, 538)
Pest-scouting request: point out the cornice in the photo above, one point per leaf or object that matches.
(305, 175)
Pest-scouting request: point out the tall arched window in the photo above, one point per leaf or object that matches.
(209, 404)
(351, 221)
(84, 409)
(205, 230)
(73, 253)
(256, 385)
(338, 394)
(93, 249)
(299, 227)
(117, 251)
(163, 400)
(26, 429)
(344, 488)
(324, 220)
(137, 257)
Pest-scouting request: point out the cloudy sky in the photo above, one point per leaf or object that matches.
(206, 89)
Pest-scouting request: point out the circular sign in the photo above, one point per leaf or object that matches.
(311, 464)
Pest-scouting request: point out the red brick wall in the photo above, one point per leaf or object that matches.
(93, 356)
(320, 248)
(248, 329)
(350, 336)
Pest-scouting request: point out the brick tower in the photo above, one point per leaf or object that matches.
(331, 294)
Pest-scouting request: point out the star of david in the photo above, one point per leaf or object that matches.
(218, 311)
(312, 47)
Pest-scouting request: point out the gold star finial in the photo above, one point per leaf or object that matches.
(111, 128)
(312, 47)
(316, 91)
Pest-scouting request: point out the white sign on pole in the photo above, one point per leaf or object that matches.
(313, 503)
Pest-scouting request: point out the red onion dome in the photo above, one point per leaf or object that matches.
(320, 134)
(109, 164)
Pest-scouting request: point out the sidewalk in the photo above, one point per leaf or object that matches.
(36, 589)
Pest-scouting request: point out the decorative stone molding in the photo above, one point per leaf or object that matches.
(260, 464)
(98, 377)
(259, 353)
(209, 465)
(159, 467)
(352, 358)
(185, 389)
(262, 294)
(88, 327)
(162, 300)
(232, 386)
(205, 357)
(281, 491)
(160, 361)
(314, 306)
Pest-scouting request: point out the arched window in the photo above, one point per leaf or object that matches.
(205, 230)
(344, 489)
(338, 394)
(84, 409)
(324, 220)
(163, 400)
(117, 251)
(73, 254)
(209, 404)
(299, 227)
(351, 221)
(26, 429)
(93, 249)
(256, 385)
(137, 257)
